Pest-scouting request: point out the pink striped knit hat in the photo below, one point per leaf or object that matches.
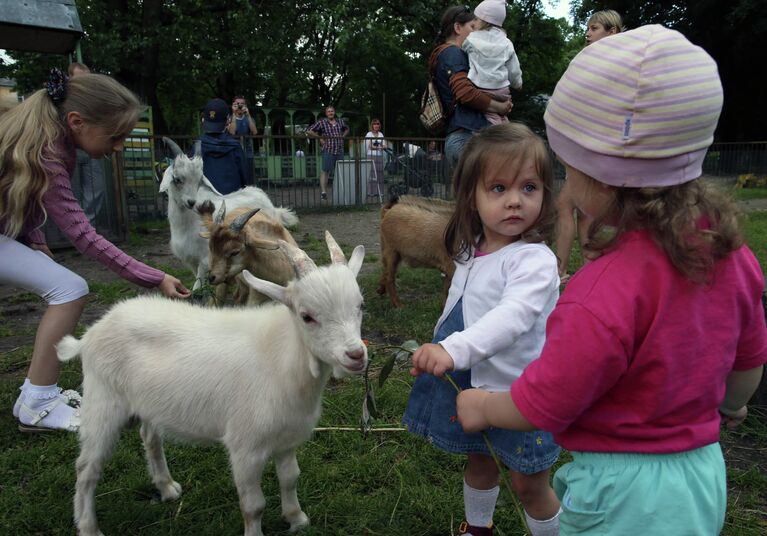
(636, 109)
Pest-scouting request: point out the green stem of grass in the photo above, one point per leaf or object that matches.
(501, 468)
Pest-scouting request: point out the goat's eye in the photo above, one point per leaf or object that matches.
(234, 252)
(307, 318)
(176, 180)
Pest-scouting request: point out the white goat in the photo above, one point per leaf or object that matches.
(186, 186)
(250, 378)
(244, 239)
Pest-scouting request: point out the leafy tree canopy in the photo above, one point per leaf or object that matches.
(365, 59)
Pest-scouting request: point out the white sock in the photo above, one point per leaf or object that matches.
(39, 397)
(546, 527)
(22, 396)
(479, 505)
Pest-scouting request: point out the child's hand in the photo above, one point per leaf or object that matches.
(732, 419)
(431, 358)
(471, 410)
(173, 288)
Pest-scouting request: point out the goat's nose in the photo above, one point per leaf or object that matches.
(191, 203)
(212, 279)
(356, 355)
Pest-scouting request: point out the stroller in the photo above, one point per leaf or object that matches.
(414, 171)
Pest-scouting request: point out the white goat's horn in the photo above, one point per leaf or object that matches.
(240, 221)
(336, 254)
(174, 148)
(219, 218)
(301, 262)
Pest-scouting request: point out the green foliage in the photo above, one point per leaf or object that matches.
(755, 229)
(367, 60)
(727, 30)
(109, 293)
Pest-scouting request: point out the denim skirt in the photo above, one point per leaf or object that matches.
(431, 413)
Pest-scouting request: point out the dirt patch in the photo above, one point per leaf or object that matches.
(20, 311)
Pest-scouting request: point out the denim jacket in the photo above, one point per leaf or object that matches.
(454, 60)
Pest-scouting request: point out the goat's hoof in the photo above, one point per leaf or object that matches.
(171, 491)
(298, 521)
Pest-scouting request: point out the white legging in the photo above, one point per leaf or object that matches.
(32, 270)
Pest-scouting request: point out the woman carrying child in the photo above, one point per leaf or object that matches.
(493, 323)
(493, 63)
(663, 334)
(462, 101)
(38, 140)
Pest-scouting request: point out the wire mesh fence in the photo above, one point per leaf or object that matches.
(288, 169)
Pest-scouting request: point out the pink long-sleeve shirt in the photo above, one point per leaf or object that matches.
(62, 207)
(636, 355)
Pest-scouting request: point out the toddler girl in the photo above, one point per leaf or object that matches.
(665, 331)
(493, 323)
(493, 63)
(38, 140)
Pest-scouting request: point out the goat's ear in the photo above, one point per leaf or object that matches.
(167, 178)
(209, 184)
(272, 290)
(253, 242)
(205, 235)
(355, 262)
(314, 366)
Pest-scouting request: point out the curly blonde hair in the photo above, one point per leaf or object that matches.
(509, 141)
(694, 223)
(28, 134)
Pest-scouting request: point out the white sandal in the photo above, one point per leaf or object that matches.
(69, 398)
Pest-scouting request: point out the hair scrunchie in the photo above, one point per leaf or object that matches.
(56, 85)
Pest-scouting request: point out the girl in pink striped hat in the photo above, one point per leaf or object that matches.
(662, 338)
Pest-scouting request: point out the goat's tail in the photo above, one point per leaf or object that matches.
(392, 201)
(68, 348)
(286, 216)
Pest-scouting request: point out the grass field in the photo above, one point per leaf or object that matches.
(387, 483)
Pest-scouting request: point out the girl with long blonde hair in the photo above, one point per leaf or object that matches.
(38, 140)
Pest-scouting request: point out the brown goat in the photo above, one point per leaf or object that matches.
(244, 239)
(413, 230)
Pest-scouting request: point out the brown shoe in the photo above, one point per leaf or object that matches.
(465, 528)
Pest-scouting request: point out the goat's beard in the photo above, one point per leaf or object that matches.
(339, 372)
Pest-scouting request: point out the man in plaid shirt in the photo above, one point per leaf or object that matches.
(331, 132)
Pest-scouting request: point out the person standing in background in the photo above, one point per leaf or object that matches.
(374, 146)
(464, 102)
(242, 124)
(223, 160)
(330, 132)
(570, 220)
